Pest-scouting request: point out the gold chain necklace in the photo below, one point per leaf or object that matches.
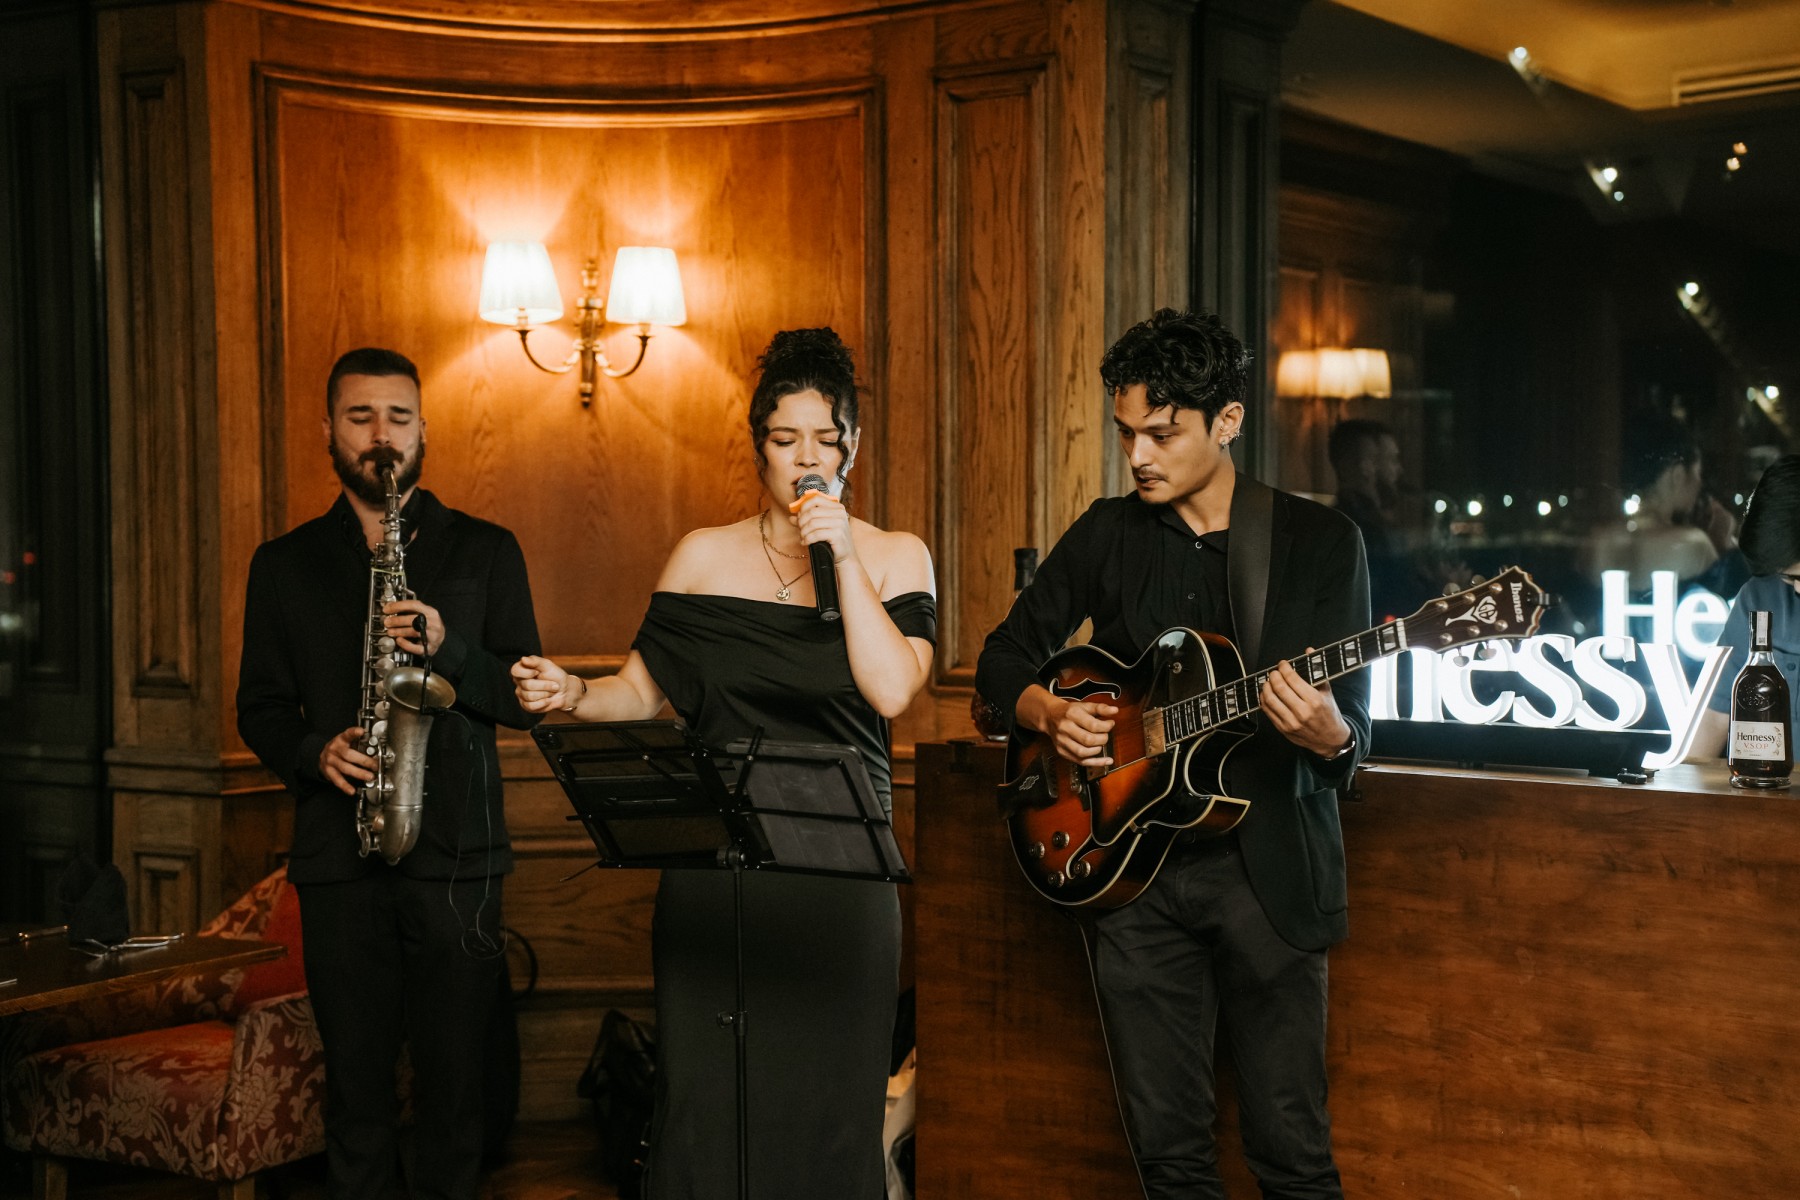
(763, 528)
(786, 584)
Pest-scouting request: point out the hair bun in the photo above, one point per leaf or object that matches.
(810, 351)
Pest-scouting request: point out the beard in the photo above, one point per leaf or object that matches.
(361, 476)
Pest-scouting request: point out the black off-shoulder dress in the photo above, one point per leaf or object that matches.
(821, 955)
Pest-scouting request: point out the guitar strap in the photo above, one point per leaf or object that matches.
(1247, 563)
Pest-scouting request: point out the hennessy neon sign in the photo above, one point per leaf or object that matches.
(1563, 677)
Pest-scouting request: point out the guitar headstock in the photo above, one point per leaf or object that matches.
(1508, 606)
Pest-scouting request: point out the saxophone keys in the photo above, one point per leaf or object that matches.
(384, 644)
(385, 663)
(381, 710)
(378, 731)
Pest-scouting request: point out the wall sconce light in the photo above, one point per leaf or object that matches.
(1334, 375)
(518, 290)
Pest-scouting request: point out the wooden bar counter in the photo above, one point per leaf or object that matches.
(1554, 986)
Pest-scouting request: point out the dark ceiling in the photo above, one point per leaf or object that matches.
(1355, 69)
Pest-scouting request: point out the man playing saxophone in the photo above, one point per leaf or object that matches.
(401, 931)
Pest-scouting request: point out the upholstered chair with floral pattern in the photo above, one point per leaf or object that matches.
(214, 1078)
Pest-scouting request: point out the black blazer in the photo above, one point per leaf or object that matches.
(1311, 571)
(301, 673)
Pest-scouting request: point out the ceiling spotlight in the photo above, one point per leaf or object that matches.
(1618, 196)
(1691, 288)
(1631, 505)
(1474, 508)
(1610, 174)
(1521, 54)
(1440, 506)
(1543, 508)
(1506, 500)
(1733, 163)
(1739, 148)
(1772, 392)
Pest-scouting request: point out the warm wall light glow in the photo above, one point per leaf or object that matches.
(1297, 373)
(1339, 375)
(1372, 367)
(518, 285)
(646, 288)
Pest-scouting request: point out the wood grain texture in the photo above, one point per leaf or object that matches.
(991, 313)
(766, 213)
(1553, 987)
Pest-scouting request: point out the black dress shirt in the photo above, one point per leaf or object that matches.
(1135, 570)
(300, 680)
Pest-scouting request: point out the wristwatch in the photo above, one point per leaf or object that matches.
(1343, 751)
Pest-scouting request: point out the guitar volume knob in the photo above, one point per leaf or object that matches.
(1057, 879)
(1080, 870)
(1059, 839)
(1035, 850)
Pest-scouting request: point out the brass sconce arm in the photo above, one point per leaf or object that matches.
(519, 290)
(587, 351)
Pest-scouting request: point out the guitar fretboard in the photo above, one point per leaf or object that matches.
(1209, 710)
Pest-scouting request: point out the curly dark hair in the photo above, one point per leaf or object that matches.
(799, 360)
(1770, 538)
(1183, 359)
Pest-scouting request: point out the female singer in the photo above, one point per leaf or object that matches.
(734, 642)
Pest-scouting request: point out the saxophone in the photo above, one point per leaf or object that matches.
(399, 700)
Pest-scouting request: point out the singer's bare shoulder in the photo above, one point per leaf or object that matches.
(898, 562)
(696, 563)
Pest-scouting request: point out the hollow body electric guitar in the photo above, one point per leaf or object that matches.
(1096, 838)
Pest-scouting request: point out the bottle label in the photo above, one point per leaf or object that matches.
(1758, 739)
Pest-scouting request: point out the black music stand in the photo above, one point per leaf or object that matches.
(651, 794)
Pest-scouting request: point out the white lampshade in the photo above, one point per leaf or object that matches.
(646, 288)
(1372, 369)
(1296, 373)
(1340, 375)
(518, 279)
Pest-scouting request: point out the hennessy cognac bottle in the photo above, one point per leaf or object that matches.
(1761, 749)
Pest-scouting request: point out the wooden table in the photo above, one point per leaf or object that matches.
(1553, 986)
(50, 972)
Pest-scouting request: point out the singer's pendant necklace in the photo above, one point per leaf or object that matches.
(769, 552)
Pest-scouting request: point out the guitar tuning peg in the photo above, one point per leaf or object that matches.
(1451, 588)
(1477, 580)
(1487, 653)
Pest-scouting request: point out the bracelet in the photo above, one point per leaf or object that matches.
(1342, 752)
(570, 706)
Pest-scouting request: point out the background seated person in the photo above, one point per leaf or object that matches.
(1406, 566)
(1677, 526)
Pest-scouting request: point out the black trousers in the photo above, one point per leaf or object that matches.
(1194, 947)
(392, 960)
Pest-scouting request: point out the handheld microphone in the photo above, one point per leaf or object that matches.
(824, 570)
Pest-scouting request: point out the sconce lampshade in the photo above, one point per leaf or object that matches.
(518, 279)
(1340, 376)
(1297, 373)
(646, 288)
(1372, 369)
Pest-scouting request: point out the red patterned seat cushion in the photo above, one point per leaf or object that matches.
(150, 1099)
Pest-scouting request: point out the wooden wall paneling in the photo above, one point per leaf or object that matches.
(1077, 424)
(764, 201)
(992, 327)
(1149, 160)
(907, 394)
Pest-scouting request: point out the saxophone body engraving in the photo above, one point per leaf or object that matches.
(399, 698)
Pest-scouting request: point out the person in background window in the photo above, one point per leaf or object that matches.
(1770, 542)
(1676, 525)
(1365, 457)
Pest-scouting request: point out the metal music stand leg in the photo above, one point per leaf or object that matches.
(735, 857)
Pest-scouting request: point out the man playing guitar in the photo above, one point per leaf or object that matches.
(1233, 926)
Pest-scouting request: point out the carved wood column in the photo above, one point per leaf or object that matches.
(192, 826)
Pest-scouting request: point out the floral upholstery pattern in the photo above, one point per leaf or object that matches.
(232, 1090)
